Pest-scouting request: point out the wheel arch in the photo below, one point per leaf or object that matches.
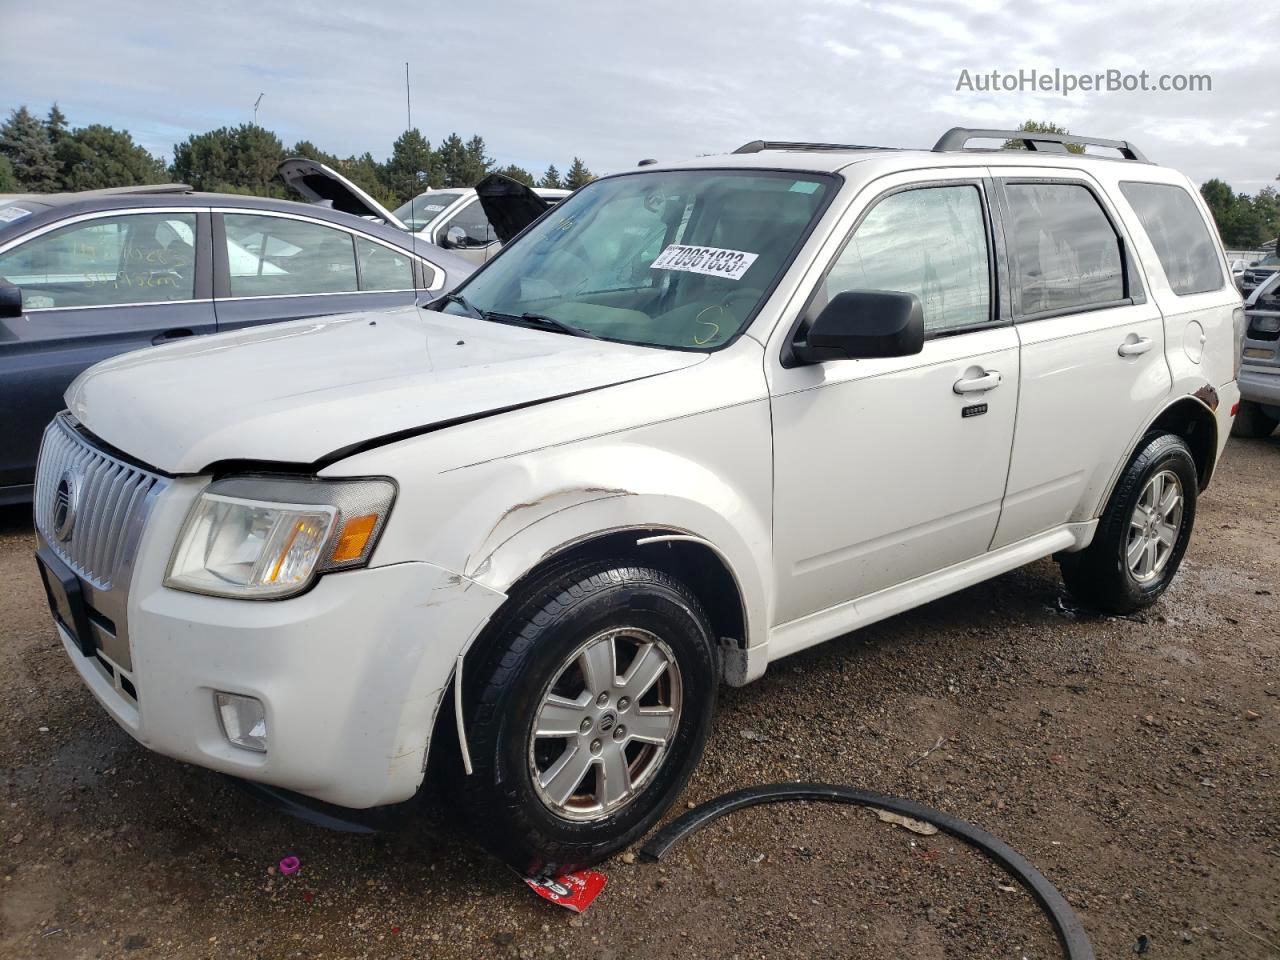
(1190, 417)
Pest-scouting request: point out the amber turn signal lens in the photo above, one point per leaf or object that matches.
(353, 538)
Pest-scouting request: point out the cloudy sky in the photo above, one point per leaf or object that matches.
(617, 82)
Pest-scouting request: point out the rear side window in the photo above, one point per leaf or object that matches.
(1066, 253)
(1178, 232)
(382, 268)
(278, 256)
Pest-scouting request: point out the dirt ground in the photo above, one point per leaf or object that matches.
(1133, 761)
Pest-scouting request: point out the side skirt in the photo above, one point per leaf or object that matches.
(796, 635)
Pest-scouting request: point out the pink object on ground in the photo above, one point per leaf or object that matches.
(290, 865)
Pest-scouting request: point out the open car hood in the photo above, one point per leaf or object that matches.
(322, 184)
(509, 205)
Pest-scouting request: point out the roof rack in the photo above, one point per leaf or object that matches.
(135, 189)
(957, 137)
(755, 146)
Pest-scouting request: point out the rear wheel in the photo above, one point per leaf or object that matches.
(1143, 533)
(1253, 421)
(588, 710)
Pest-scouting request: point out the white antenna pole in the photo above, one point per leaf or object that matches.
(255, 109)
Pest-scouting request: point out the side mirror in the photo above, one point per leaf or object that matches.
(10, 300)
(863, 324)
(455, 238)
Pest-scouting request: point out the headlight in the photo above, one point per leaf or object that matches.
(268, 537)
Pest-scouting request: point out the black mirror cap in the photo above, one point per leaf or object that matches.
(10, 300)
(862, 325)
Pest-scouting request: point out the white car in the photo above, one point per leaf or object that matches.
(699, 418)
(454, 218)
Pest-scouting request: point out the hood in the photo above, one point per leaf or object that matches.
(509, 205)
(312, 391)
(322, 184)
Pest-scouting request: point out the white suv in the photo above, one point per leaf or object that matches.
(694, 419)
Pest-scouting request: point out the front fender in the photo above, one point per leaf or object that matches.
(631, 488)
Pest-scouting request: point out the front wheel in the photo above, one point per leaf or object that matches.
(588, 711)
(1143, 533)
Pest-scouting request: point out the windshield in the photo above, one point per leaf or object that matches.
(670, 258)
(425, 207)
(1271, 261)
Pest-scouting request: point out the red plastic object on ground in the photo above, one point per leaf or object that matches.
(573, 891)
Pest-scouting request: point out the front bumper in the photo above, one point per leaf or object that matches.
(351, 675)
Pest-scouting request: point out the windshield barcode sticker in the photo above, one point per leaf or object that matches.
(709, 260)
(10, 214)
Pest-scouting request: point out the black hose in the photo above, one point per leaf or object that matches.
(1071, 936)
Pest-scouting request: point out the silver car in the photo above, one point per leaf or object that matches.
(1260, 367)
(453, 217)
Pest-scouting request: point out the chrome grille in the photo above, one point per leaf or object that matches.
(109, 503)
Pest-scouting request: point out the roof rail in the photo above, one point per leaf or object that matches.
(755, 146)
(957, 137)
(135, 189)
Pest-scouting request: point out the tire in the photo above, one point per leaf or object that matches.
(511, 802)
(1103, 576)
(1253, 422)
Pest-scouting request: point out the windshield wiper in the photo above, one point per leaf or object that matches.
(542, 320)
(466, 304)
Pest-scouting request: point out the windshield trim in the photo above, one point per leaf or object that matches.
(834, 178)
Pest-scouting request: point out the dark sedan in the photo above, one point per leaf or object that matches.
(108, 271)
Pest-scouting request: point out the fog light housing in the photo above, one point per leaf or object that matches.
(243, 720)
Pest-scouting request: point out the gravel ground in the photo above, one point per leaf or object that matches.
(1132, 760)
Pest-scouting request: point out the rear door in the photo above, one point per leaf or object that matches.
(1093, 359)
(93, 286)
(271, 266)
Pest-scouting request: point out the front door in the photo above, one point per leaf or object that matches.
(101, 285)
(890, 469)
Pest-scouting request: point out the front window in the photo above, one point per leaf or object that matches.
(671, 258)
(424, 208)
(134, 258)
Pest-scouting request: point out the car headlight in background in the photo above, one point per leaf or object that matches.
(268, 537)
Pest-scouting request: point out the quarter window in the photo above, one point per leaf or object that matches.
(930, 241)
(1065, 251)
(136, 258)
(279, 256)
(1177, 230)
(381, 268)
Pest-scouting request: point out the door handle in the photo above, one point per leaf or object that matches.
(988, 381)
(176, 334)
(1135, 346)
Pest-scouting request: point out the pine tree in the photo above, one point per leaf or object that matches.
(56, 124)
(8, 182)
(25, 141)
(578, 175)
(411, 167)
(239, 159)
(551, 178)
(452, 159)
(96, 156)
(517, 173)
